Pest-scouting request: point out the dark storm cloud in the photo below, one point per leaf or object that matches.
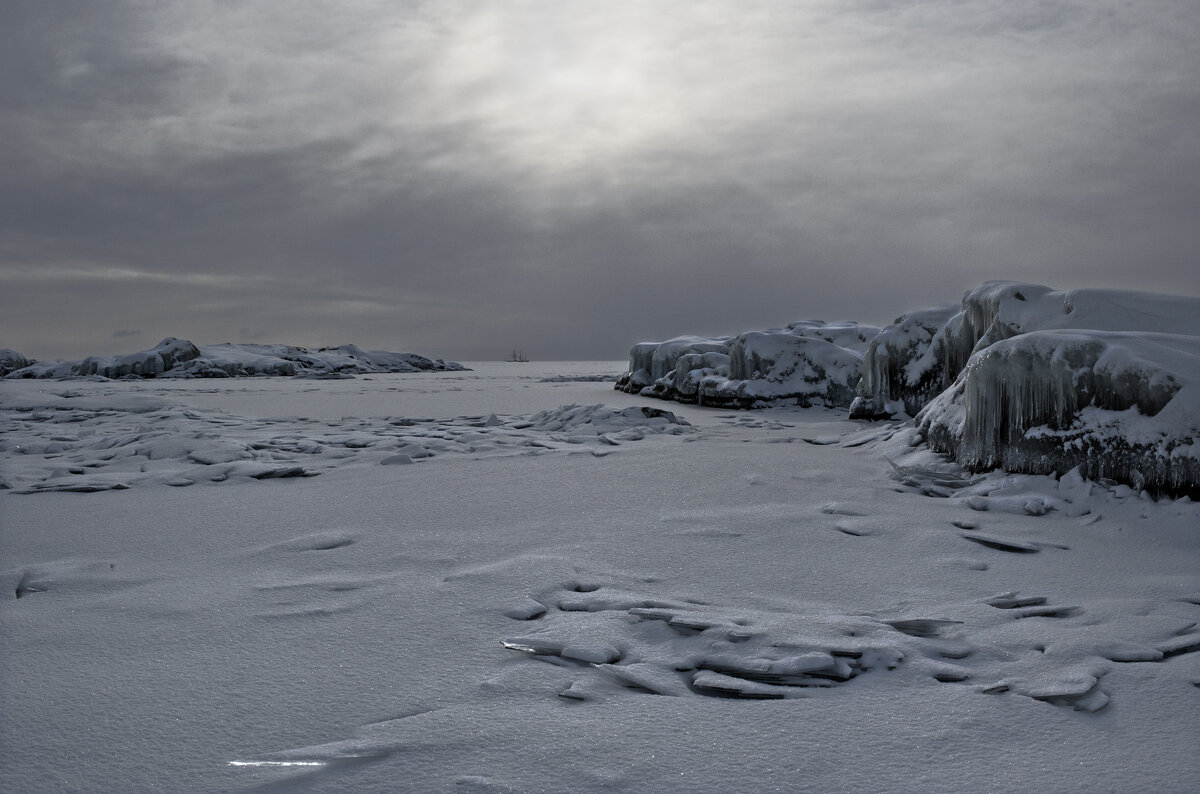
(458, 178)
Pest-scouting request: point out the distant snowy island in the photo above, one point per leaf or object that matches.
(1016, 375)
(179, 358)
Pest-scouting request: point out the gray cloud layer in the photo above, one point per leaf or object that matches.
(459, 178)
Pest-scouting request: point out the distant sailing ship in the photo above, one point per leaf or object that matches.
(518, 356)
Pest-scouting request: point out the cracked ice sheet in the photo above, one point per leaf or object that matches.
(354, 620)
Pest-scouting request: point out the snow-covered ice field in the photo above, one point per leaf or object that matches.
(515, 579)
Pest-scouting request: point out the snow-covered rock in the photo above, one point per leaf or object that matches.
(1114, 404)
(810, 362)
(1018, 376)
(889, 384)
(650, 362)
(12, 360)
(1039, 381)
(923, 352)
(179, 358)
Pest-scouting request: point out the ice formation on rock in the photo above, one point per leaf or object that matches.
(12, 360)
(1042, 381)
(889, 383)
(1118, 405)
(179, 358)
(650, 362)
(922, 353)
(1017, 376)
(813, 363)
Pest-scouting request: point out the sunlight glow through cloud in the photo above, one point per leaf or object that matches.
(753, 162)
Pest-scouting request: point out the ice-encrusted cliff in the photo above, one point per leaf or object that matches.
(179, 358)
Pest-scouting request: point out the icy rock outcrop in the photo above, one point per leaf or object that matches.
(890, 384)
(178, 358)
(11, 360)
(922, 354)
(1040, 381)
(651, 362)
(810, 362)
(164, 356)
(1120, 405)
(772, 365)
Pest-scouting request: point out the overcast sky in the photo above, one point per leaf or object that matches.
(461, 178)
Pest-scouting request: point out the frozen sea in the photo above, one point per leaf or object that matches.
(517, 579)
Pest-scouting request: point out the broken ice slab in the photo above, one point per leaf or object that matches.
(1047, 612)
(923, 477)
(527, 610)
(1188, 643)
(1003, 544)
(1129, 652)
(531, 645)
(922, 627)
(591, 652)
(652, 678)
(1012, 601)
(713, 683)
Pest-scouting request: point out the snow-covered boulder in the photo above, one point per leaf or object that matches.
(810, 362)
(11, 360)
(178, 358)
(652, 364)
(1116, 404)
(779, 365)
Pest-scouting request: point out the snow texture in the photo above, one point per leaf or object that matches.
(70, 441)
(473, 598)
(179, 358)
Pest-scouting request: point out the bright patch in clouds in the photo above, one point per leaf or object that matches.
(614, 171)
(555, 90)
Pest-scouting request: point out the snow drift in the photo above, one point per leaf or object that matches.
(179, 358)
